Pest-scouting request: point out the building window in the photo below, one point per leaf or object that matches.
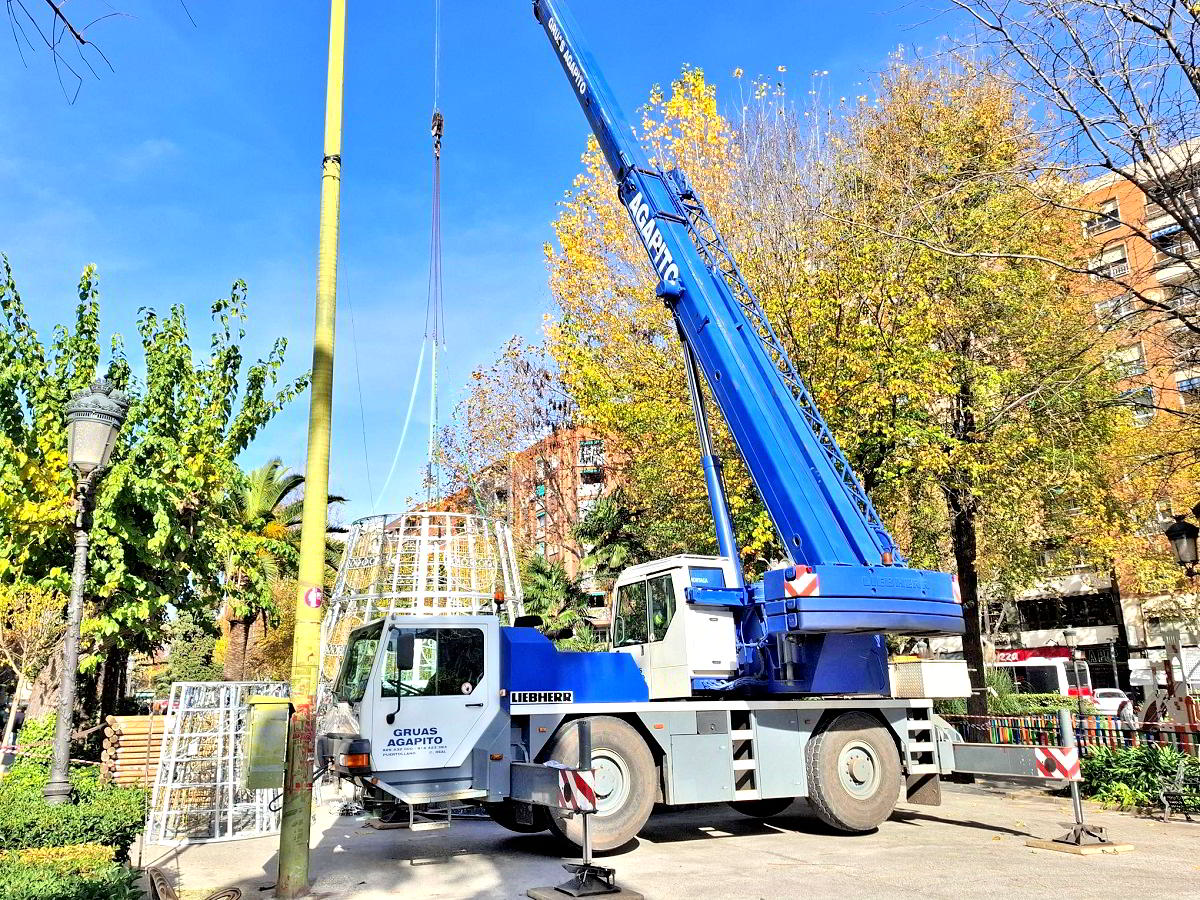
(541, 549)
(1189, 392)
(1114, 311)
(541, 524)
(1107, 218)
(1141, 402)
(1184, 200)
(539, 490)
(1112, 263)
(1183, 298)
(1130, 361)
(1170, 245)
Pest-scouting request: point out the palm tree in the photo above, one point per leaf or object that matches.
(554, 595)
(262, 548)
(611, 537)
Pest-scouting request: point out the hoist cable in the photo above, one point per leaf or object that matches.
(412, 401)
(435, 323)
(362, 415)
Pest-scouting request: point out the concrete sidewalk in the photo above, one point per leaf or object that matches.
(971, 846)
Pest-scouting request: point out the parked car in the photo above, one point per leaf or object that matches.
(1111, 701)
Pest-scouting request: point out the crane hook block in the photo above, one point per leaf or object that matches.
(436, 131)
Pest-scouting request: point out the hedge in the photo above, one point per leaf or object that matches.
(103, 814)
(79, 872)
(96, 814)
(1132, 777)
(1005, 700)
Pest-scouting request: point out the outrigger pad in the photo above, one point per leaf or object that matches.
(588, 880)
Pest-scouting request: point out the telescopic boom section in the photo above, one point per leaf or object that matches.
(819, 507)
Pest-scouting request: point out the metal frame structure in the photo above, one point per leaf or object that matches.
(198, 787)
(421, 563)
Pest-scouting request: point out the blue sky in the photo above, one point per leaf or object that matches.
(197, 162)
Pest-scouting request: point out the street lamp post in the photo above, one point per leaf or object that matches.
(1070, 638)
(94, 416)
(1182, 536)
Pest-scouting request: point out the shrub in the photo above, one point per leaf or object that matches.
(102, 814)
(80, 872)
(1132, 776)
(35, 743)
(1005, 700)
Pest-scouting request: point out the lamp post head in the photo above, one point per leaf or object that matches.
(1182, 536)
(94, 416)
(1070, 638)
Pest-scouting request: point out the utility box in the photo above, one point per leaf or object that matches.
(932, 678)
(266, 742)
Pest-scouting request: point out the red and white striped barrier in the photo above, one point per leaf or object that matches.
(577, 789)
(1058, 762)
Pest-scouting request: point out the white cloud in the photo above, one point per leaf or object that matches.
(146, 155)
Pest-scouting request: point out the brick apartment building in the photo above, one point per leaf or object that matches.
(543, 491)
(1160, 362)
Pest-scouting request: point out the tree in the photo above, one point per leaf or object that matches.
(512, 402)
(615, 343)
(611, 535)
(31, 625)
(159, 523)
(552, 594)
(971, 395)
(191, 641)
(1120, 93)
(262, 545)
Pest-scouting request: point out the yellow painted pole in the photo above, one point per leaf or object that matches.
(297, 787)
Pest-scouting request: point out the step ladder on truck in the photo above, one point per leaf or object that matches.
(715, 689)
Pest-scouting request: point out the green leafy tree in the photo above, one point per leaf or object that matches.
(31, 624)
(262, 547)
(554, 595)
(612, 537)
(159, 525)
(190, 654)
(971, 394)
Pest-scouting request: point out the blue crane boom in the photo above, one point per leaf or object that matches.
(848, 575)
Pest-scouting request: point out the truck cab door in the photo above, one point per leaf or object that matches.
(440, 706)
(631, 631)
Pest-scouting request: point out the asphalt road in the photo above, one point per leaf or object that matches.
(971, 846)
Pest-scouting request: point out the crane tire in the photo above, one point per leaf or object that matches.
(853, 773)
(761, 809)
(504, 814)
(626, 783)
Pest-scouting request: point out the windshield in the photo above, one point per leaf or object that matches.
(356, 665)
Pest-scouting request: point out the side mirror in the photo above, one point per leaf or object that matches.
(405, 653)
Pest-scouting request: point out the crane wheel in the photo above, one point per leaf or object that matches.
(504, 814)
(626, 783)
(761, 809)
(853, 772)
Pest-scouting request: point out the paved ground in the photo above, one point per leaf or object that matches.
(971, 846)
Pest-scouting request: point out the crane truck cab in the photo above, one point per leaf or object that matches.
(673, 640)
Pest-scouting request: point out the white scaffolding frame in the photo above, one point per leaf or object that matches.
(199, 792)
(421, 563)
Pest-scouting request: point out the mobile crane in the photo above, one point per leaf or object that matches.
(715, 689)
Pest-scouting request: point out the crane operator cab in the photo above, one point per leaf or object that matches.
(672, 640)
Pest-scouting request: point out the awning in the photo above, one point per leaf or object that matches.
(1166, 232)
